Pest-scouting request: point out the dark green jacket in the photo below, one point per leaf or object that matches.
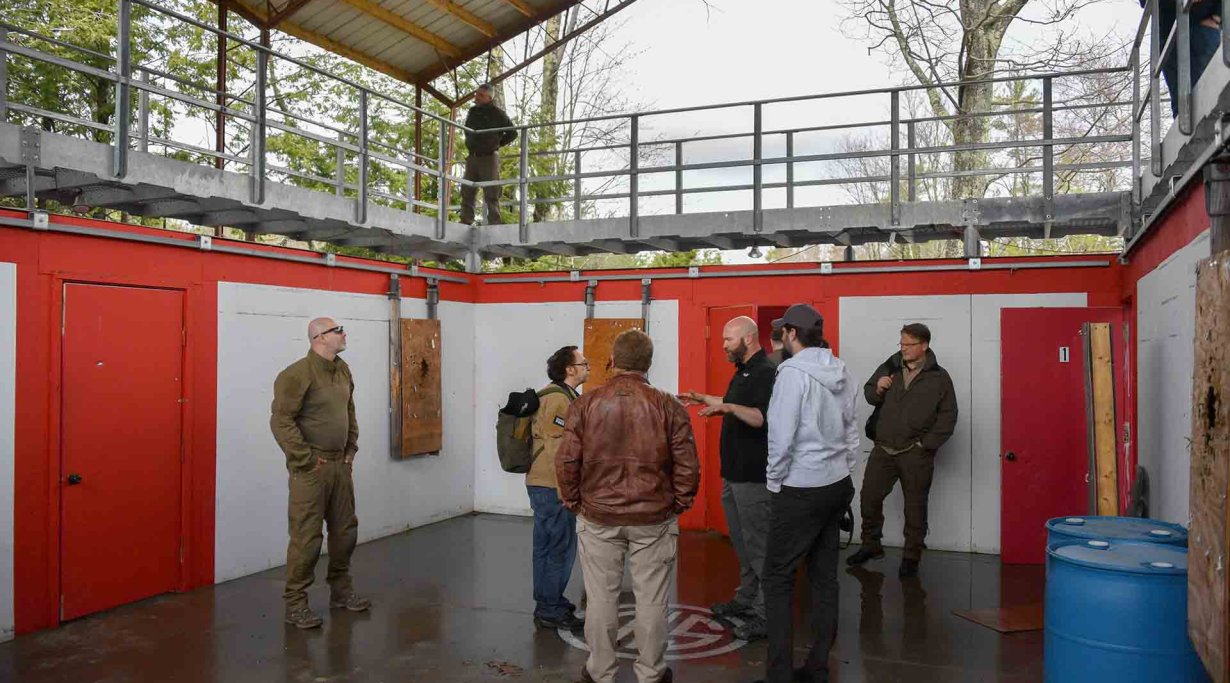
(313, 411)
(482, 117)
(925, 413)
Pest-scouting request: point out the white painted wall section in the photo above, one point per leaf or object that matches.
(964, 508)
(8, 421)
(1165, 359)
(261, 330)
(513, 343)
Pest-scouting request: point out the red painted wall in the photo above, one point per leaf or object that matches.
(46, 260)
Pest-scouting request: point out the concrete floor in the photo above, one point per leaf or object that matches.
(453, 604)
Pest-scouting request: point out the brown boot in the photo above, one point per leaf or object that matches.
(303, 618)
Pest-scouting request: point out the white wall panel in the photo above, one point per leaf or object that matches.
(263, 329)
(1165, 358)
(514, 342)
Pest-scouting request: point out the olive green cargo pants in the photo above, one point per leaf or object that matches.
(324, 495)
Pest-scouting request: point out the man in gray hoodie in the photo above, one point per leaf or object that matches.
(813, 438)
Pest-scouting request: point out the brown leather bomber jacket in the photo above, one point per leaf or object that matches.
(628, 456)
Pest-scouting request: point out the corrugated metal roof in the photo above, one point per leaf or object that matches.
(412, 40)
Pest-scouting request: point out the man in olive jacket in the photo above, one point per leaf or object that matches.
(483, 162)
(313, 421)
(916, 412)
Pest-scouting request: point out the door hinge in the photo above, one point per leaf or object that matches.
(181, 552)
(183, 336)
(706, 331)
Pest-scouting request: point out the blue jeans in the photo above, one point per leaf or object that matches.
(1205, 41)
(555, 551)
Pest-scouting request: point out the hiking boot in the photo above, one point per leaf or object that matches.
(734, 608)
(568, 622)
(352, 602)
(303, 617)
(753, 628)
(908, 568)
(863, 555)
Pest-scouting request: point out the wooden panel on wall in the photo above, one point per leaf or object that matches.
(1207, 606)
(422, 419)
(600, 336)
(1101, 381)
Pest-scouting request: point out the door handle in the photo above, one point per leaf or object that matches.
(74, 479)
(1010, 456)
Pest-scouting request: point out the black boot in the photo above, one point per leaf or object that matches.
(864, 553)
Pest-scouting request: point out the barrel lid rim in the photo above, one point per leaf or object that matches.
(1148, 566)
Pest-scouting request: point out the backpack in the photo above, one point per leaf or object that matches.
(514, 429)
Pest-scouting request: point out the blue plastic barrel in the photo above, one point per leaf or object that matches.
(1107, 528)
(1116, 611)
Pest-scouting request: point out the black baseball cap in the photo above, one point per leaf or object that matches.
(801, 316)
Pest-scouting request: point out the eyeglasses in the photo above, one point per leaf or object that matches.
(584, 364)
(910, 344)
(339, 329)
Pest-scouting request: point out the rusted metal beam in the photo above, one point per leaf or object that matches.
(291, 7)
(466, 16)
(405, 26)
(554, 46)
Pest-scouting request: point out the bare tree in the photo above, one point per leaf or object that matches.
(945, 41)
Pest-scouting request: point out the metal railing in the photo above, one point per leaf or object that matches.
(906, 168)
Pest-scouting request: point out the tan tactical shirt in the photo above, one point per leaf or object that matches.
(313, 411)
(548, 428)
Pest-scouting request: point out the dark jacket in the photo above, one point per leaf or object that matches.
(925, 413)
(313, 411)
(628, 457)
(482, 117)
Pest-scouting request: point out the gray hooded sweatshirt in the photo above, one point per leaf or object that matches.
(813, 430)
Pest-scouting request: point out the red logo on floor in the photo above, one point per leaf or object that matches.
(694, 634)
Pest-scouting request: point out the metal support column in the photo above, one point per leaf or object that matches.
(576, 185)
(790, 170)
(757, 170)
(442, 185)
(1217, 203)
(678, 178)
(360, 209)
(847, 254)
(1155, 91)
(4, 76)
(911, 163)
(1183, 48)
(257, 142)
(634, 223)
(220, 88)
(123, 107)
(433, 298)
(1048, 151)
(339, 168)
(1134, 67)
(973, 244)
(894, 173)
(590, 290)
(395, 396)
(418, 144)
(646, 283)
(143, 114)
(523, 185)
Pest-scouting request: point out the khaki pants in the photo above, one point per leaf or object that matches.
(326, 496)
(480, 169)
(651, 552)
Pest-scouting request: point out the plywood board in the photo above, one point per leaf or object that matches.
(600, 336)
(422, 417)
(1207, 606)
(1102, 417)
(1009, 619)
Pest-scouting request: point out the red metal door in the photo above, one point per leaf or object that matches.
(120, 445)
(718, 373)
(1044, 454)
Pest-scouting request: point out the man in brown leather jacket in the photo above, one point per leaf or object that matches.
(627, 468)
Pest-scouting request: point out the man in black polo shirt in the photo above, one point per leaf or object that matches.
(745, 455)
